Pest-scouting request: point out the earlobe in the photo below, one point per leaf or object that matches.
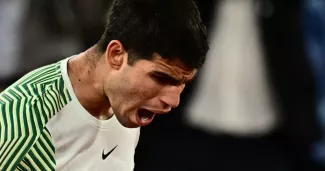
(114, 54)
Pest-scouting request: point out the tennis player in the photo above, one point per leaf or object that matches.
(84, 112)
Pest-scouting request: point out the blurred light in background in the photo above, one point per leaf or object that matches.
(314, 29)
(233, 95)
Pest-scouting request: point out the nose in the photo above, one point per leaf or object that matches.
(171, 97)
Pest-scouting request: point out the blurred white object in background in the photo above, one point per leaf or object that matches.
(11, 15)
(233, 96)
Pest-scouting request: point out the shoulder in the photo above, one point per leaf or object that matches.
(41, 91)
(37, 82)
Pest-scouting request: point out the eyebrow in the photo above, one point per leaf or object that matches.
(173, 79)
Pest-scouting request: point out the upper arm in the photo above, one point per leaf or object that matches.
(21, 123)
(25, 108)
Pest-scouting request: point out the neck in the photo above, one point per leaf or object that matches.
(87, 83)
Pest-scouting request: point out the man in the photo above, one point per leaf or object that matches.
(83, 112)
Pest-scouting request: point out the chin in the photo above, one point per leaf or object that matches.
(127, 123)
(130, 125)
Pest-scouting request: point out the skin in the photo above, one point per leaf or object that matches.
(106, 85)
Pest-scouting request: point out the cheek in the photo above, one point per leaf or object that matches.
(144, 88)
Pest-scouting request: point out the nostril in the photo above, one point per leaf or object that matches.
(165, 105)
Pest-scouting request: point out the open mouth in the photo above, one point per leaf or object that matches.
(145, 116)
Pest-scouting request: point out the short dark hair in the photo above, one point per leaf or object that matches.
(171, 28)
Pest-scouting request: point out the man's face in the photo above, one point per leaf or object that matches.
(138, 92)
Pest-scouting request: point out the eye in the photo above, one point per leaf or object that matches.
(165, 80)
(160, 79)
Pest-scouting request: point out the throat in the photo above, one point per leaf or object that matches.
(105, 117)
(101, 112)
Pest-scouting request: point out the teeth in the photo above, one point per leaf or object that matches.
(144, 118)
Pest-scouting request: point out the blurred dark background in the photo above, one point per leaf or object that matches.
(287, 41)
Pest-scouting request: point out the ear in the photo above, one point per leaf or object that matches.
(114, 54)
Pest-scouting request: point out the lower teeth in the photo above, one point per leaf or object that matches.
(144, 118)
